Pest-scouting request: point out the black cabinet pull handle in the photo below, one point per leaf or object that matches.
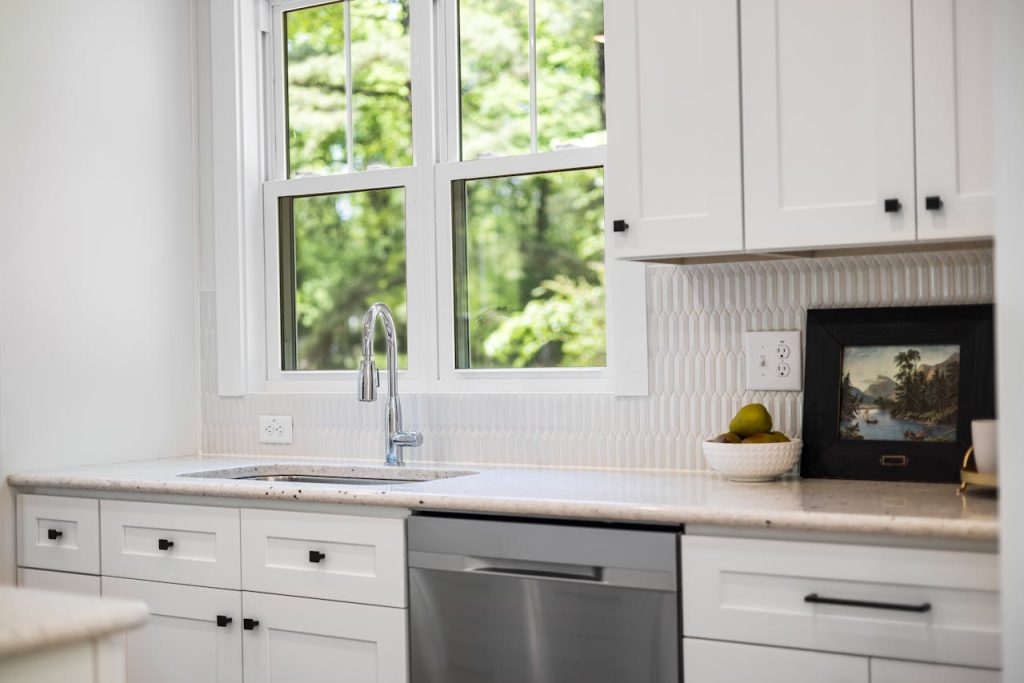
(815, 598)
(933, 203)
(620, 226)
(250, 624)
(223, 621)
(893, 206)
(164, 544)
(53, 534)
(315, 556)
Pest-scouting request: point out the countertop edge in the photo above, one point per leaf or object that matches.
(824, 521)
(111, 617)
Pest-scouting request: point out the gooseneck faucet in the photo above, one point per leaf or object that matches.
(369, 380)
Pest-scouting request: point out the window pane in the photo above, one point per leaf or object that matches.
(318, 97)
(529, 271)
(340, 253)
(381, 94)
(494, 61)
(570, 73)
(316, 106)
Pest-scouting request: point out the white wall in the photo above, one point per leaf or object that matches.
(1009, 87)
(97, 264)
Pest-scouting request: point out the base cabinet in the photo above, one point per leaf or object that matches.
(712, 661)
(302, 640)
(892, 671)
(66, 582)
(182, 641)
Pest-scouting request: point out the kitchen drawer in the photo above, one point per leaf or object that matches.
(763, 591)
(190, 544)
(332, 557)
(59, 533)
(65, 582)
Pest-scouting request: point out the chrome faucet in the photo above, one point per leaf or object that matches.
(369, 380)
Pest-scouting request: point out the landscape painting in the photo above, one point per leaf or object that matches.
(899, 393)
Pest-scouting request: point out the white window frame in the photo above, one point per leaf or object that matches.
(249, 177)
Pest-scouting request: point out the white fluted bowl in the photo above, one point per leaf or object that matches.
(752, 461)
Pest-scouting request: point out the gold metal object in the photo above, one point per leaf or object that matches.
(969, 474)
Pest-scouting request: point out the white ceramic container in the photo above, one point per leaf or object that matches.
(752, 461)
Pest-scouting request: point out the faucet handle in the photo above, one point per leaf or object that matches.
(407, 439)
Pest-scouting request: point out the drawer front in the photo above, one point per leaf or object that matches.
(844, 598)
(59, 533)
(65, 582)
(332, 557)
(190, 544)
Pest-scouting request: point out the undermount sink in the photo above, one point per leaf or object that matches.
(327, 479)
(336, 475)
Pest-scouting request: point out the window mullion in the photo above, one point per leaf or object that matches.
(349, 114)
(533, 75)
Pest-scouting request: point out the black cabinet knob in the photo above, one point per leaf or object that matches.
(933, 203)
(223, 621)
(53, 534)
(250, 624)
(892, 206)
(164, 544)
(315, 556)
(620, 226)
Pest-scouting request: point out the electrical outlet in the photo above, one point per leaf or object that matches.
(773, 361)
(275, 428)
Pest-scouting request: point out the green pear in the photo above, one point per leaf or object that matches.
(751, 419)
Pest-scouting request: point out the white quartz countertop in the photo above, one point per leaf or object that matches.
(926, 510)
(32, 619)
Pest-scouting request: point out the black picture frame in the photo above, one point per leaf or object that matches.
(829, 331)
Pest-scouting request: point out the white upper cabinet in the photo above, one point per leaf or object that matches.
(828, 122)
(674, 160)
(954, 117)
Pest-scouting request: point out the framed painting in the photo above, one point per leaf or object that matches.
(889, 393)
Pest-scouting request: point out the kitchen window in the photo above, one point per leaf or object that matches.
(448, 159)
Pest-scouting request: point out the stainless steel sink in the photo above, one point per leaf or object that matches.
(331, 475)
(327, 479)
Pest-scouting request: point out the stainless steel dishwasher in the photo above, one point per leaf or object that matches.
(532, 602)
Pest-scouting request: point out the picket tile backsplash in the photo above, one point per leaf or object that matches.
(696, 316)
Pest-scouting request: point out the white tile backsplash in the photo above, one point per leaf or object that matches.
(696, 315)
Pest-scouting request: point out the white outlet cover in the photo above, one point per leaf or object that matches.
(774, 361)
(275, 428)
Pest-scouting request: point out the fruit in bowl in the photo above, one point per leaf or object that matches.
(750, 450)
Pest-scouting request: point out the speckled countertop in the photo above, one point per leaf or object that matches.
(926, 510)
(33, 619)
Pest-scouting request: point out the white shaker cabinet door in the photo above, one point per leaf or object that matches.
(182, 641)
(828, 123)
(674, 171)
(302, 640)
(953, 94)
(710, 661)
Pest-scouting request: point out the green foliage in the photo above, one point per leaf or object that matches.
(495, 75)
(932, 397)
(533, 279)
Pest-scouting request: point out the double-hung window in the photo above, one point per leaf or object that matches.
(446, 157)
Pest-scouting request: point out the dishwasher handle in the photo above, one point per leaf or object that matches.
(542, 571)
(605, 576)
